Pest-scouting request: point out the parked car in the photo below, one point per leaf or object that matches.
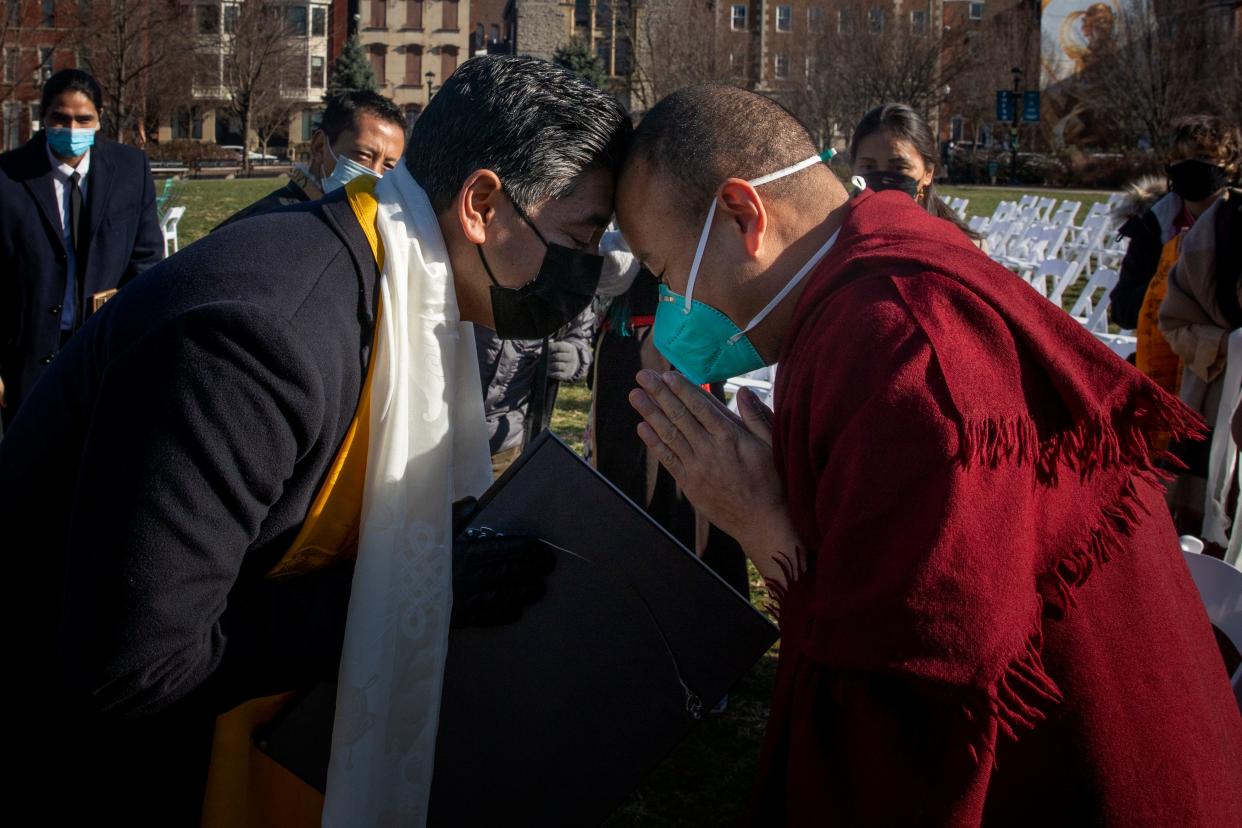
(255, 157)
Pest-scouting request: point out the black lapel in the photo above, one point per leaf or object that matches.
(340, 217)
(42, 187)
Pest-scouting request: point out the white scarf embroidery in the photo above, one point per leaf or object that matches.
(428, 447)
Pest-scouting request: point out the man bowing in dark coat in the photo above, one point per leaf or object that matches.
(209, 428)
(77, 217)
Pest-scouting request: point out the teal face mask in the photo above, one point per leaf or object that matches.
(701, 341)
(70, 143)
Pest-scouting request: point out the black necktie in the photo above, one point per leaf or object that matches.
(75, 207)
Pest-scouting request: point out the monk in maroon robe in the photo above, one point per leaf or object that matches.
(985, 615)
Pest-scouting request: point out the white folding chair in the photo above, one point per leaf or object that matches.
(1062, 274)
(168, 226)
(761, 382)
(1220, 587)
(1064, 215)
(1090, 310)
(979, 224)
(1045, 244)
(1044, 207)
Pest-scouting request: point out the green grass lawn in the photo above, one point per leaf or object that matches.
(209, 202)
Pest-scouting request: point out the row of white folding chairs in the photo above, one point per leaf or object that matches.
(1055, 276)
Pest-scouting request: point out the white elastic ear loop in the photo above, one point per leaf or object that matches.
(711, 213)
(790, 285)
(698, 254)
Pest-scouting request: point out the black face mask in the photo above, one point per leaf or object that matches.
(560, 291)
(884, 180)
(1195, 180)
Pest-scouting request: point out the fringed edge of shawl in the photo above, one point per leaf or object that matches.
(1018, 698)
(793, 569)
(1093, 442)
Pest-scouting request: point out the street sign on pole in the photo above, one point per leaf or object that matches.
(1004, 105)
(1030, 107)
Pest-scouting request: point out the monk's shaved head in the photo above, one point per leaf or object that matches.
(702, 135)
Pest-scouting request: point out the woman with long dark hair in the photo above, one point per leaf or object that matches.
(893, 149)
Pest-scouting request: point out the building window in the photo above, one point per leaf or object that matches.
(918, 22)
(784, 18)
(603, 49)
(36, 110)
(379, 14)
(208, 19)
(448, 61)
(739, 18)
(48, 17)
(319, 21)
(318, 75)
(976, 11)
(495, 37)
(379, 55)
(231, 13)
(625, 55)
(307, 126)
(781, 67)
(582, 15)
(413, 65)
(815, 20)
(12, 116)
(845, 21)
(295, 20)
(188, 123)
(413, 14)
(875, 19)
(45, 63)
(956, 127)
(449, 10)
(10, 64)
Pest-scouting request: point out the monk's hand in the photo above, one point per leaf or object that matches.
(721, 461)
(496, 576)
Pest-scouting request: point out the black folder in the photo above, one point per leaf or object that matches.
(555, 719)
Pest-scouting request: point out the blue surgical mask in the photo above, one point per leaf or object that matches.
(70, 143)
(703, 342)
(345, 170)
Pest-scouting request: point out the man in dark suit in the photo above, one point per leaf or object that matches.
(360, 133)
(77, 217)
(170, 456)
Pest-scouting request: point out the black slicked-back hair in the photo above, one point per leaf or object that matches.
(534, 124)
(71, 80)
(704, 134)
(343, 108)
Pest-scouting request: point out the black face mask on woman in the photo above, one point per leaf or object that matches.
(560, 291)
(1196, 180)
(884, 180)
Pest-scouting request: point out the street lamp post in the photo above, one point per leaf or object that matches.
(1013, 130)
(429, 75)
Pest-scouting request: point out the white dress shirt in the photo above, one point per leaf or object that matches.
(60, 179)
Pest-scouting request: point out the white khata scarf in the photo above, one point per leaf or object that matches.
(428, 447)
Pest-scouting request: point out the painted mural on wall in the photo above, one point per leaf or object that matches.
(1076, 35)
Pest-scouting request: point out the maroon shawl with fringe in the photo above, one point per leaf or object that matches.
(996, 625)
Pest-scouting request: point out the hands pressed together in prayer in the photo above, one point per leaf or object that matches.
(722, 462)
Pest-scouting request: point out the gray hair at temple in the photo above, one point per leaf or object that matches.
(704, 134)
(536, 125)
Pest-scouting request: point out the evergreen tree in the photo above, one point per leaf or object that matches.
(352, 71)
(577, 56)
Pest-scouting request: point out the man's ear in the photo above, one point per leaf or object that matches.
(477, 202)
(738, 201)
